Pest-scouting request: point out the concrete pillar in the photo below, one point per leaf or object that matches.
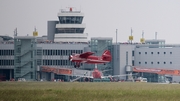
(52, 76)
(10, 74)
(43, 76)
(38, 76)
(67, 78)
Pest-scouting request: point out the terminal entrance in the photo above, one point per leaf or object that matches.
(6, 74)
(152, 77)
(157, 75)
(62, 78)
(57, 74)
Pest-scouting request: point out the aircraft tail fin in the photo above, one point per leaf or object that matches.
(107, 55)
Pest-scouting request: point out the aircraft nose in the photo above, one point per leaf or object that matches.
(70, 57)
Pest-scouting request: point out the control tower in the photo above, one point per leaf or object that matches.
(69, 28)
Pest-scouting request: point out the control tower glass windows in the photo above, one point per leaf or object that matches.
(70, 30)
(70, 19)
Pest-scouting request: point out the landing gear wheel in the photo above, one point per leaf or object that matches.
(78, 66)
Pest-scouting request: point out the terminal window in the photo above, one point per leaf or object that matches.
(157, 62)
(132, 62)
(133, 53)
(151, 62)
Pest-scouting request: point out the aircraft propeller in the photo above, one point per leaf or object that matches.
(70, 57)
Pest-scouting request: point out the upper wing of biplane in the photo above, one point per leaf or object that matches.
(86, 54)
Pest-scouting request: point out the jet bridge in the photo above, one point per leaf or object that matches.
(50, 73)
(157, 71)
(158, 75)
(63, 71)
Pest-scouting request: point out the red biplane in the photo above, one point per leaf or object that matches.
(88, 57)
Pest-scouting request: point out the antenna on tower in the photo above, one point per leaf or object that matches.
(35, 28)
(142, 34)
(15, 32)
(131, 37)
(156, 35)
(116, 36)
(35, 33)
(142, 40)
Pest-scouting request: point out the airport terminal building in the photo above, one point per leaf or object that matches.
(46, 58)
(20, 60)
(153, 54)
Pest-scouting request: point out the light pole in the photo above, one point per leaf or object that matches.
(116, 50)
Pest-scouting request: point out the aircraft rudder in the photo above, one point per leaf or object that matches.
(107, 52)
(107, 55)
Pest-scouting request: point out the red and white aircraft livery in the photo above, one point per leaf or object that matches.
(88, 57)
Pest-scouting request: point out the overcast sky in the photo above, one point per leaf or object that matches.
(102, 17)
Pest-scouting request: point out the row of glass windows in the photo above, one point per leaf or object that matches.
(45, 52)
(45, 62)
(39, 62)
(157, 52)
(57, 62)
(156, 62)
(38, 52)
(6, 62)
(61, 52)
(70, 30)
(96, 42)
(70, 19)
(6, 52)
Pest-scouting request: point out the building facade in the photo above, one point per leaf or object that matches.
(123, 56)
(98, 46)
(56, 55)
(6, 60)
(153, 54)
(24, 57)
